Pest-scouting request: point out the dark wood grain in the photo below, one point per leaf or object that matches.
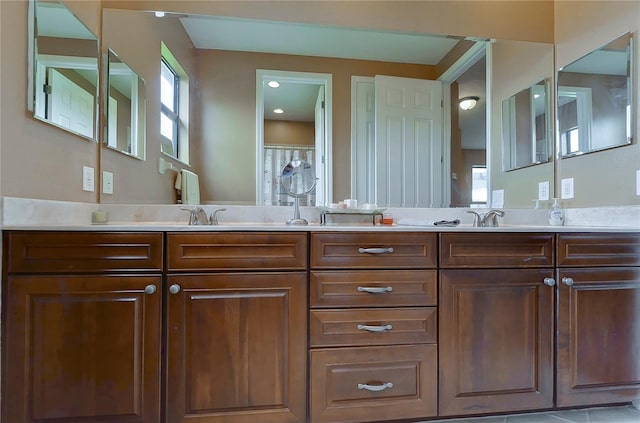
(599, 336)
(496, 341)
(598, 249)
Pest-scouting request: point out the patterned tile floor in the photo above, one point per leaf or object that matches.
(622, 414)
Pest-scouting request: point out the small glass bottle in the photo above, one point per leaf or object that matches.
(387, 219)
(556, 214)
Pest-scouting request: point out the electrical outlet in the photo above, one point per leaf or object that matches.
(566, 189)
(543, 191)
(88, 179)
(107, 182)
(497, 198)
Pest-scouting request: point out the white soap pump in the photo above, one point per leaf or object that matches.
(556, 215)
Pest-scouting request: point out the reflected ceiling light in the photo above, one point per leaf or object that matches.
(278, 111)
(159, 14)
(273, 84)
(468, 103)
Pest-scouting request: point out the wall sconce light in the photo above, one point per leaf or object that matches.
(468, 103)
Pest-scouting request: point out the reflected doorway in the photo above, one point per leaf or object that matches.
(293, 121)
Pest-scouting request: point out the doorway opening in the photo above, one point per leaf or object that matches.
(293, 120)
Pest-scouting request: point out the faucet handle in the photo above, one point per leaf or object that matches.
(491, 218)
(213, 219)
(476, 218)
(193, 214)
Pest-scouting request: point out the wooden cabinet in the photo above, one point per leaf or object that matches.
(598, 318)
(236, 327)
(82, 330)
(373, 326)
(496, 320)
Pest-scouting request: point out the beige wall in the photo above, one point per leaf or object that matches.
(282, 132)
(516, 66)
(61, 155)
(604, 178)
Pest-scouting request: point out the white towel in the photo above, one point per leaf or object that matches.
(190, 188)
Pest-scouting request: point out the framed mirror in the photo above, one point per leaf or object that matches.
(64, 83)
(126, 108)
(526, 127)
(594, 104)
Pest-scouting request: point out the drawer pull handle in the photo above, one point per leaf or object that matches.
(374, 290)
(150, 289)
(375, 388)
(375, 250)
(380, 328)
(174, 289)
(549, 281)
(567, 281)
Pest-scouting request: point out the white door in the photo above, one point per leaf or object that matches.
(71, 106)
(408, 142)
(320, 147)
(363, 122)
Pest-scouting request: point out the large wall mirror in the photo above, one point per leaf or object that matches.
(126, 108)
(64, 83)
(595, 101)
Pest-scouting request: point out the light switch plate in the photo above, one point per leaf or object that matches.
(107, 182)
(88, 179)
(637, 182)
(543, 191)
(567, 189)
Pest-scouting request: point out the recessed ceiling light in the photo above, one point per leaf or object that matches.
(278, 111)
(159, 14)
(273, 84)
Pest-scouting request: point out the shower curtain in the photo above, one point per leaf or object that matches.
(275, 158)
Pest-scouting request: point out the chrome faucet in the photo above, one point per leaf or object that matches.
(197, 216)
(213, 219)
(488, 220)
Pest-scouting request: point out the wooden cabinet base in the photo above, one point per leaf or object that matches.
(373, 383)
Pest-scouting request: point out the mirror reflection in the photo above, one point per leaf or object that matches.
(594, 101)
(526, 127)
(125, 108)
(65, 78)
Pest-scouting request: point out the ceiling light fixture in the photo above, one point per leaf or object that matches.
(159, 14)
(278, 111)
(273, 84)
(468, 103)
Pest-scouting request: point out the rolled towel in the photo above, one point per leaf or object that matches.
(423, 222)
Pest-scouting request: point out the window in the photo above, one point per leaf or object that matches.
(174, 107)
(479, 184)
(169, 120)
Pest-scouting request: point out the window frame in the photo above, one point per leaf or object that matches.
(174, 116)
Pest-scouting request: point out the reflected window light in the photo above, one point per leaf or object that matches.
(479, 184)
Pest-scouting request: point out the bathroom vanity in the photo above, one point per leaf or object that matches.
(315, 324)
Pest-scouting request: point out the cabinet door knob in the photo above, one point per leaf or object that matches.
(549, 281)
(174, 289)
(380, 328)
(375, 388)
(375, 290)
(375, 250)
(150, 289)
(567, 281)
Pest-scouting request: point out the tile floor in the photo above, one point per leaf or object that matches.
(621, 414)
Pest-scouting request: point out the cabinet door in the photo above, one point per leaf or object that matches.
(82, 348)
(598, 336)
(496, 341)
(237, 348)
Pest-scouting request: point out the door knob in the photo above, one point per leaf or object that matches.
(174, 289)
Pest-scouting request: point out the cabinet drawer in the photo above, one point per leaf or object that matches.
(371, 288)
(373, 250)
(83, 252)
(369, 384)
(382, 326)
(236, 250)
(496, 250)
(601, 249)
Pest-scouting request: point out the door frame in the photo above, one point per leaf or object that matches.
(323, 154)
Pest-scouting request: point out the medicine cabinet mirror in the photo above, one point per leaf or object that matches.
(126, 108)
(63, 87)
(526, 127)
(594, 100)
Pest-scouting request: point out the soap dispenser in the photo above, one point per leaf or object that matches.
(556, 215)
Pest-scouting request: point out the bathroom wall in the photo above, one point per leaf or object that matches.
(604, 178)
